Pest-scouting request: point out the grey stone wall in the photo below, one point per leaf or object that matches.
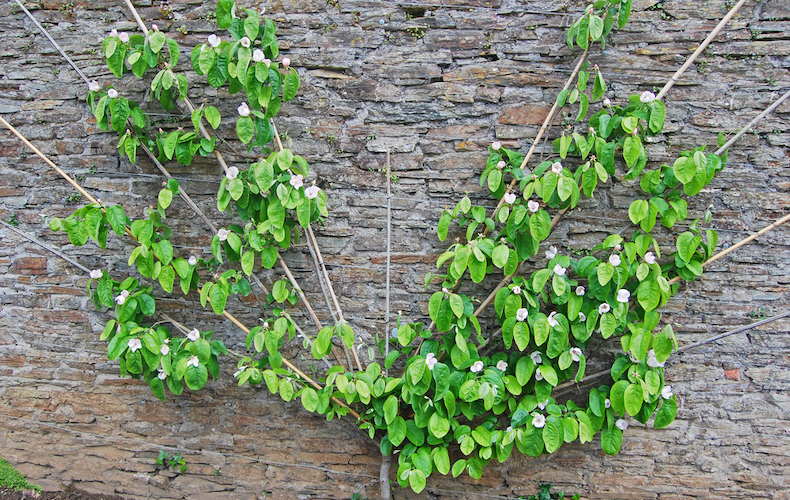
(435, 84)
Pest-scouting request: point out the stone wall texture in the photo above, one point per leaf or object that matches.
(435, 84)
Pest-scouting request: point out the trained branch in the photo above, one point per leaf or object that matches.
(44, 246)
(699, 50)
(752, 123)
(739, 244)
(686, 347)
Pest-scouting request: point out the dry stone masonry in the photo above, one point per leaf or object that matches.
(434, 84)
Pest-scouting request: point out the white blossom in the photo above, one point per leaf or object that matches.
(604, 308)
(214, 40)
(125, 294)
(536, 357)
(193, 361)
(120, 300)
(607, 102)
(582, 316)
(430, 360)
(112, 93)
(666, 392)
(297, 181)
(94, 86)
(162, 375)
(623, 295)
(267, 62)
(155, 27)
(556, 167)
(164, 350)
(552, 321)
(223, 234)
(124, 37)
(618, 247)
(516, 290)
(286, 61)
(539, 421)
(232, 173)
(495, 146)
(607, 403)
(477, 367)
(538, 375)
(135, 344)
(542, 405)
(192, 260)
(559, 270)
(243, 109)
(647, 96)
(501, 365)
(193, 335)
(509, 429)
(652, 361)
(96, 274)
(312, 192)
(510, 198)
(580, 291)
(551, 252)
(650, 258)
(533, 206)
(501, 164)
(245, 42)
(621, 424)
(632, 358)
(521, 314)
(445, 290)
(113, 32)
(576, 354)
(614, 260)
(258, 56)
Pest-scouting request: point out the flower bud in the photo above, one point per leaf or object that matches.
(112, 93)
(124, 37)
(647, 97)
(510, 198)
(501, 165)
(243, 109)
(192, 260)
(94, 86)
(286, 62)
(232, 173)
(607, 102)
(214, 40)
(556, 167)
(495, 146)
(258, 56)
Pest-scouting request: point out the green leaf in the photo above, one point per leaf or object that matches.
(438, 426)
(638, 210)
(247, 262)
(633, 399)
(596, 27)
(605, 273)
(457, 304)
(158, 388)
(416, 480)
(218, 298)
(666, 414)
(657, 114)
(196, 376)
(553, 433)
(500, 256)
(310, 399)
(684, 169)
(396, 431)
(632, 148)
(686, 245)
(156, 40)
(245, 129)
(291, 85)
(166, 278)
(165, 198)
(441, 460)
(611, 439)
(213, 117)
(623, 13)
(224, 13)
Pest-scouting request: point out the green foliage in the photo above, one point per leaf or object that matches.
(175, 462)
(12, 479)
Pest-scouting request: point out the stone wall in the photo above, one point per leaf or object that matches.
(435, 85)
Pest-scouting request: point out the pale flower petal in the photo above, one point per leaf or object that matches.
(501, 365)
(559, 270)
(614, 260)
(510, 198)
(495, 146)
(245, 42)
(164, 350)
(112, 93)
(580, 291)
(214, 40)
(533, 206)
(243, 109)
(430, 360)
(223, 234)
(193, 361)
(552, 321)
(575, 354)
(536, 357)
(232, 173)
(516, 290)
(551, 252)
(650, 258)
(621, 424)
(134, 344)
(193, 335)
(604, 308)
(96, 274)
(623, 295)
(192, 260)
(297, 181)
(556, 167)
(521, 314)
(666, 392)
(539, 421)
(312, 192)
(477, 367)
(94, 86)
(647, 97)
(258, 56)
